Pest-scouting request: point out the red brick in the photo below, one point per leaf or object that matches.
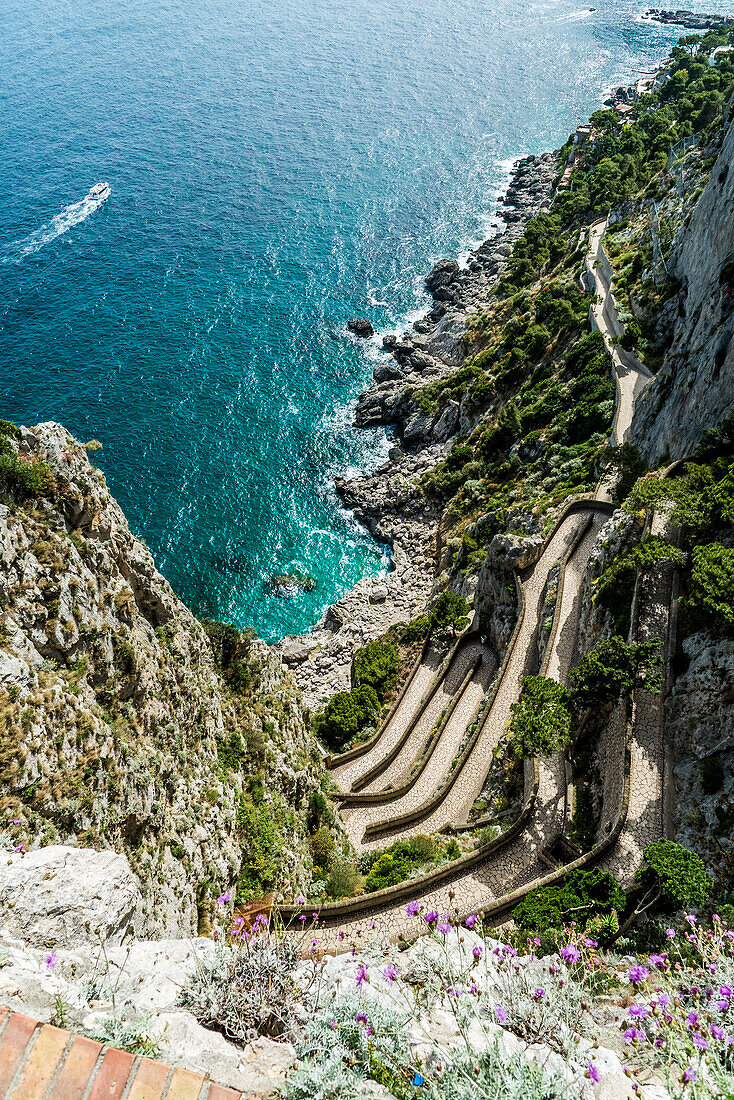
(48, 1051)
(219, 1092)
(184, 1085)
(71, 1084)
(13, 1044)
(112, 1075)
(150, 1081)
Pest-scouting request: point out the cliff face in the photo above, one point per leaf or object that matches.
(117, 730)
(694, 388)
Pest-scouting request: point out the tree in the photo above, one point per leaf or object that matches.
(376, 665)
(346, 714)
(710, 596)
(579, 897)
(450, 611)
(670, 878)
(540, 721)
(613, 669)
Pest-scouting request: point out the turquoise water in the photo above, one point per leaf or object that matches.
(275, 168)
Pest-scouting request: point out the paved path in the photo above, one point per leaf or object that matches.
(466, 709)
(477, 880)
(631, 374)
(462, 663)
(347, 773)
(42, 1062)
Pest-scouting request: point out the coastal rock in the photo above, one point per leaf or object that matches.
(693, 389)
(62, 897)
(389, 501)
(114, 711)
(360, 326)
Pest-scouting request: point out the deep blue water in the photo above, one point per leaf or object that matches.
(276, 168)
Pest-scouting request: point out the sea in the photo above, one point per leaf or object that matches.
(275, 169)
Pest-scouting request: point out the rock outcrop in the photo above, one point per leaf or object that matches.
(64, 897)
(389, 501)
(694, 388)
(118, 730)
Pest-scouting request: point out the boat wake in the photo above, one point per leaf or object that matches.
(70, 216)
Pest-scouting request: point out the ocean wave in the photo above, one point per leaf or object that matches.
(61, 223)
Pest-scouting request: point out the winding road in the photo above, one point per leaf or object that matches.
(426, 767)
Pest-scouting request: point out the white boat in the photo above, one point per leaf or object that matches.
(100, 191)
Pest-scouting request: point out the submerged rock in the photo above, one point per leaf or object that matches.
(360, 326)
(288, 584)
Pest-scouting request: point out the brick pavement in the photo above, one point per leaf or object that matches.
(42, 1062)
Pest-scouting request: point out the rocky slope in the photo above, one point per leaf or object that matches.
(388, 501)
(118, 730)
(694, 388)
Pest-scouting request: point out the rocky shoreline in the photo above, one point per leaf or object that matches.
(387, 500)
(692, 20)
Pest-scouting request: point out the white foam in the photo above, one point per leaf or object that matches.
(70, 216)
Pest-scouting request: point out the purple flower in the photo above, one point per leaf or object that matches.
(722, 1006)
(692, 1019)
(690, 918)
(444, 926)
(689, 1074)
(538, 994)
(477, 953)
(639, 1011)
(361, 1018)
(638, 974)
(663, 1000)
(717, 1032)
(591, 943)
(593, 1072)
(471, 921)
(633, 1034)
(700, 1041)
(300, 900)
(51, 960)
(726, 991)
(570, 953)
(432, 917)
(500, 1014)
(224, 898)
(670, 933)
(412, 908)
(332, 1023)
(659, 961)
(362, 975)
(390, 973)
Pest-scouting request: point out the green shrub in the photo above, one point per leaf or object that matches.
(401, 858)
(540, 721)
(345, 715)
(450, 612)
(342, 879)
(376, 665)
(580, 896)
(676, 878)
(709, 599)
(321, 846)
(22, 479)
(230, 752)
(262, 848)
(613, 669)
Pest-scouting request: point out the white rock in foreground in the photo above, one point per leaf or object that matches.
(60, 897)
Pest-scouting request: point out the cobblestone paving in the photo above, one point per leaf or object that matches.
(522, 860)
(347, 774)
(447, 748)
(462, 662)
(632, 375)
